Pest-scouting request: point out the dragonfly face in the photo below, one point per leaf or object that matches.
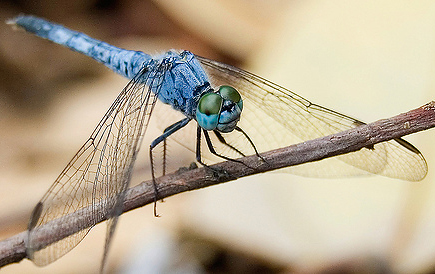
(220, 110)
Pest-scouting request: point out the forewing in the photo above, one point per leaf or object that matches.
(92, 185)
(275, 117)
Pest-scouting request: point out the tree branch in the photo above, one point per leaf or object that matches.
(13, 249)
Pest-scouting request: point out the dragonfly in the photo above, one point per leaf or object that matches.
(236, 112)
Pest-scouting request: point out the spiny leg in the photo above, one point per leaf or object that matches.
(198, 146)
(251, 142)
(164, 160)
(164, 157)
(198, 152)
(166, 133)
(223, 141)
(213, 151)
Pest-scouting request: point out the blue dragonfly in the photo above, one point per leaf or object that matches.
(198, 89)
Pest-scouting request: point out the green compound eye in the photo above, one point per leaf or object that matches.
(230, 93)
(210, 104)
(207, 112)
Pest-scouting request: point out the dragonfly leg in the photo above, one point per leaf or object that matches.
(162, 138)
(223, 141)
(169, 128)
(198, 146)
(213, 151)
(250, 141)
(219, 173)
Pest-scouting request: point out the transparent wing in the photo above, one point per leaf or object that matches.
(95, 180)
(275, 117)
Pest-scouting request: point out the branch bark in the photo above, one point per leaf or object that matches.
(13, 249)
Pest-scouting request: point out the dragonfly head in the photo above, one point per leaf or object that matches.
(220, 110)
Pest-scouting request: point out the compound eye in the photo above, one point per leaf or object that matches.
(207, 112)
(230, 93)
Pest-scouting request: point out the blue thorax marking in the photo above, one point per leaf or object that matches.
(183, 82)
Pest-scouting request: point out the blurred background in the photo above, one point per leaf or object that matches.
(367, 59)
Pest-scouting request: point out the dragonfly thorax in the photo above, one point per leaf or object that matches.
(219, 110)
